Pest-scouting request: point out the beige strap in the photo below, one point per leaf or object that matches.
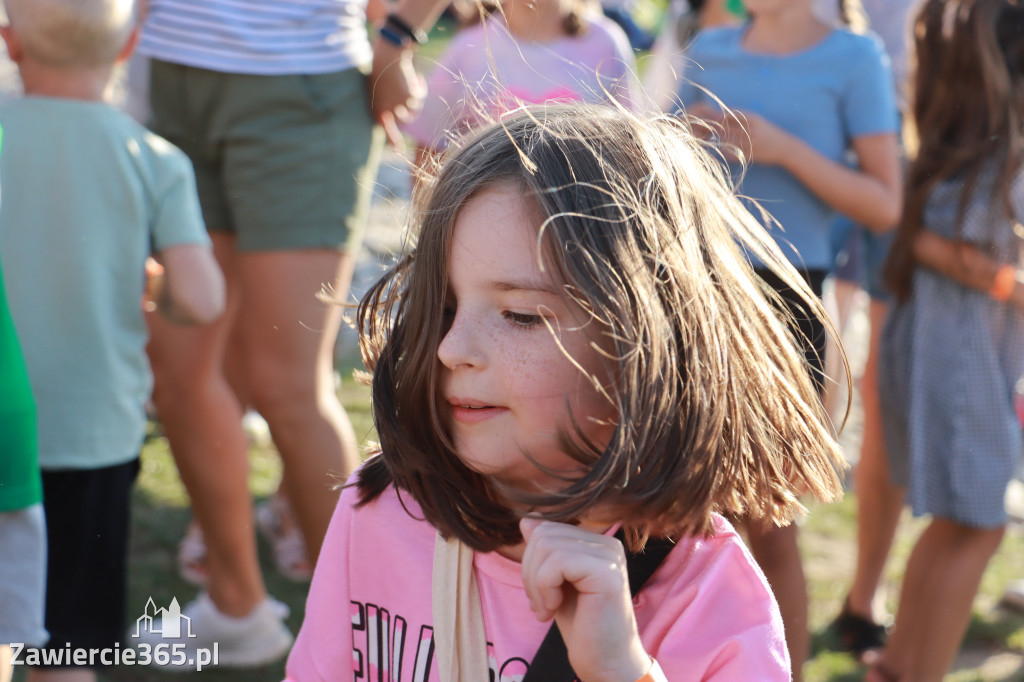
(460, 642)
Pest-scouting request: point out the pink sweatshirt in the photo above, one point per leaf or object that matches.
(706, 614)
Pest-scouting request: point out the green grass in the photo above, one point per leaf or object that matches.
(995, 639)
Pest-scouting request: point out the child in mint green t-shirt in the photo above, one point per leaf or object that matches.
(88, 196)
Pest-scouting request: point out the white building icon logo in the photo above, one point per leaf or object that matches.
(163, 622)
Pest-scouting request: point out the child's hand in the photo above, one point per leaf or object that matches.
(759, 140)
(154, 285)
(579, 578)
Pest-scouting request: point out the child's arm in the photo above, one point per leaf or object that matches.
(870, 195)
(579, 578)
(377, 11)
(396, 90)
(967, 265)
(190, 289)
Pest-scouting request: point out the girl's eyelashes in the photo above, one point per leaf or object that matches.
(524, 320)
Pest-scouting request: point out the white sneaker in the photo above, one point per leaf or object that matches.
(202, 633)
(1014, 595)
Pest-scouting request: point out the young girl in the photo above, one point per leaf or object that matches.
(575, 345)
(527, 51)
(953, 346)
(801, 94)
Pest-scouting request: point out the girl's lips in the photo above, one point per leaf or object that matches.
(473, 415)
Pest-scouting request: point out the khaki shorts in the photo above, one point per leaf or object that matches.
(283, 162)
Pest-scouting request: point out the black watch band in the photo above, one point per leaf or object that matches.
(396, 22)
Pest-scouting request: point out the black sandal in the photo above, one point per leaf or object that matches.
(856, 634)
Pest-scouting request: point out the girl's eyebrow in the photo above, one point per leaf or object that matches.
(539, 286)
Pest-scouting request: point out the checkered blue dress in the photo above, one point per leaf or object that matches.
(950, 358)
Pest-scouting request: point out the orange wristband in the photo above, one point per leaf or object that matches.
(1004, 282)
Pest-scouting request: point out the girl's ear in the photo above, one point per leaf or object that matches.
(14, 50)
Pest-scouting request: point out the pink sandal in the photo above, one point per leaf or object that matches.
(192, 555)
(276, 521)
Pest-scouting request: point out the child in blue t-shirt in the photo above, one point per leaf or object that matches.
(791, 97)
(88, 196)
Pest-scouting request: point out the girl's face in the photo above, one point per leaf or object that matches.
(508, 384)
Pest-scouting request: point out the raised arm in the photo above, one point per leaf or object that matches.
(396, 90)
(969, 266)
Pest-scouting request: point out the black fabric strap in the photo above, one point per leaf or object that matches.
(551, 663)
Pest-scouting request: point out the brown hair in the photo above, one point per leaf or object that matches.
(717, 410)
(967, 103)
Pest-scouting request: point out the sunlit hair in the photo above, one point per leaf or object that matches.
(967, 102)
(71, 33)
(716, 408)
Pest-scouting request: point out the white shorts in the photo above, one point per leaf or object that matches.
(23, 576)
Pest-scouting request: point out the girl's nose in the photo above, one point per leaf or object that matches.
(460, 347)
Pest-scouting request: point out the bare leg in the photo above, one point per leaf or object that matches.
(843, 299)
(202, 420)
(879, 502)
(939, 587)
(235, 365)
(6, 669)
(778, 555)
(290, 342)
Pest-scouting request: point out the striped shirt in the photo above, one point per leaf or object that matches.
(258, 37)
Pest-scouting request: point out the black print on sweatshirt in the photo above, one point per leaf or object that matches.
(386, 649)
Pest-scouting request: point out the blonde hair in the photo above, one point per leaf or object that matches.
(71, 33)
(716, 408)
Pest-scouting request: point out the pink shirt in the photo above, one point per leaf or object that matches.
(486, 71)
(706, 614)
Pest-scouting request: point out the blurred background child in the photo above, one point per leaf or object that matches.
(88, 196)
(799, 95)
(525, 51)
(952, 348)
